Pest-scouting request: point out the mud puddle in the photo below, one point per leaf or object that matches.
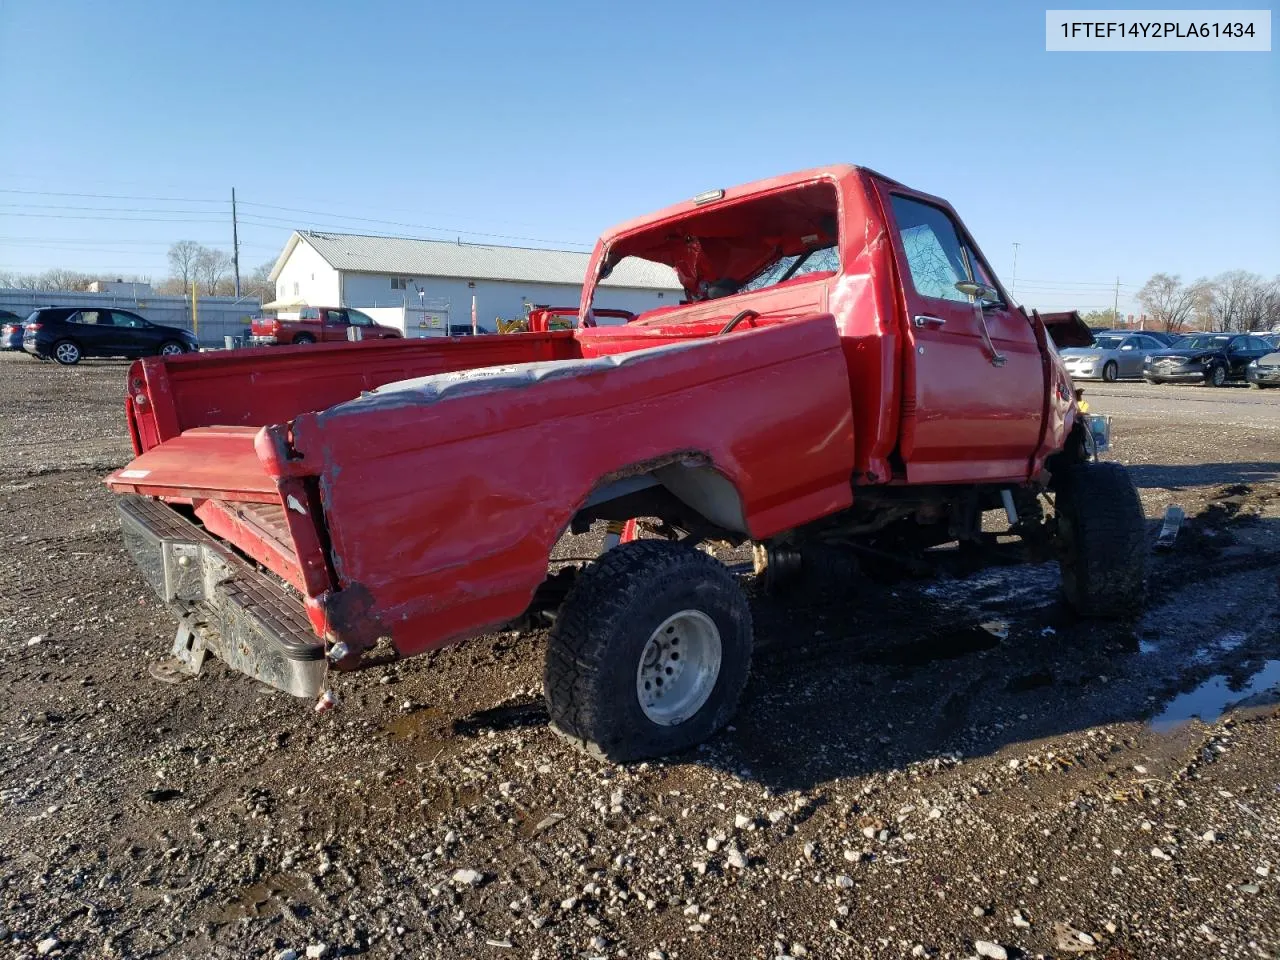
(1212, 698)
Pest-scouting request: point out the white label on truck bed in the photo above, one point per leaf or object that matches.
(133, 474)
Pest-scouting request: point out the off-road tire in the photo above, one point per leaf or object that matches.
(601, 631)
(1102, 537)
(1217, 376)
(303, 338)
(1110, 372)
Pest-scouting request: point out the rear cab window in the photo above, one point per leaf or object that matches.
(740, 246)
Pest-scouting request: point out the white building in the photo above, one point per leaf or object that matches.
(121, 288)
(432, 282)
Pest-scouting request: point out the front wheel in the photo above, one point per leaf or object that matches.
(1218, 376)
(66, 353)
(1111, 372)
(649, 653)
(1102, 538)
(171, 348)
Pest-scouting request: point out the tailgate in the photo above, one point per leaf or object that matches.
(199, 464)
(219, 473)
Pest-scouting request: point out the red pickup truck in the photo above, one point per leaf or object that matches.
(317, 325)
(847, 376)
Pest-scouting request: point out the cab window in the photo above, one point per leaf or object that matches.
(359, 319)
(935, 256)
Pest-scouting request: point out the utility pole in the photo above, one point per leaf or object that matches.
(235, 242)
(1013, 286)
(1115, 307)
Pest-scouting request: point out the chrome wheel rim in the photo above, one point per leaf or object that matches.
(678, 667)
(169, 349)
(68, 352)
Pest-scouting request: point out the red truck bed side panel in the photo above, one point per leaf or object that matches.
(442, 511)
(275, 384)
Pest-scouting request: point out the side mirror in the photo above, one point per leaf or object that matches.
(977, 291)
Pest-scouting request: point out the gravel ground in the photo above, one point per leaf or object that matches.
(901, 781)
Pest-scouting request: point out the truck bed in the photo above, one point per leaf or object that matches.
(414, 490)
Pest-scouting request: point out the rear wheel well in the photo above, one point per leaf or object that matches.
(687, 491)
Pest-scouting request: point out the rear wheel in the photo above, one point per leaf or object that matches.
(1102, 537)
(171, 348)
(304, 338)
(649, 653)
(1218, 376)
(1111, 372)
(66, 353)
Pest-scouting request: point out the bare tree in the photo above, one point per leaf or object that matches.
(210, 267)
(1260, 305)
(184, 257)
(1222, 301)
(1169, 301)
(259, 283)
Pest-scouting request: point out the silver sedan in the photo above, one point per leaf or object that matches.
(1112, 356)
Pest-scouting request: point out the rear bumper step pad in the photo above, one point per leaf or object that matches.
(226, 605)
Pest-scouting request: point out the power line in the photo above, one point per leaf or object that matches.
(264, 220)
(114, 242)
(108, 196)
(60, 216)
(1089, 283)
(61, 206)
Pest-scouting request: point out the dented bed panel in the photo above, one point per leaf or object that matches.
(443, 498)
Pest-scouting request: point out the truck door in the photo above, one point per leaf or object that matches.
(335, 325)
(972, 397)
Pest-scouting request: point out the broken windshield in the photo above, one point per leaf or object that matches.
(819, 260)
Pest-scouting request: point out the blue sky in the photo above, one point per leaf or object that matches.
(554, 120)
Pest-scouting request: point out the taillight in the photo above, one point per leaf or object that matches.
(32, 326)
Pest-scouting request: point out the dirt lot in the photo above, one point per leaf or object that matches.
(901, 781)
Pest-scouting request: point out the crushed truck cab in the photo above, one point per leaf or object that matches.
(845, 376)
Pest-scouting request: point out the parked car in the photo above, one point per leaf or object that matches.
(1271, 338)
(1212, 358)
(10, 331)
(67, 334)
(1264, 372)
(847, 374)
(317, 325)
(1168, 339)
(1112, 356)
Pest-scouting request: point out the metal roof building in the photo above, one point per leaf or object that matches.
(439, 278)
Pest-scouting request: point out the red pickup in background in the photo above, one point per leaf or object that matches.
(316, 325)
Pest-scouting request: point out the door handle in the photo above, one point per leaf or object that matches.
(924, 320)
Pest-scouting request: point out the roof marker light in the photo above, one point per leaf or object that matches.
(709, 196)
